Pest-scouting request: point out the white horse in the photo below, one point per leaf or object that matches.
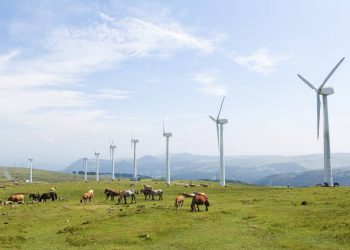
(157, 192)
(127, 193)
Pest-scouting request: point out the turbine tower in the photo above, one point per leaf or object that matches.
(220, 136)
(111, 154)
(328, 178)
(85, 163)
(134, 141)
(167, 160)
(30, 161)
(97, 167)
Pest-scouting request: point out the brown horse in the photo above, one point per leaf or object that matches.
(179, 201)
(86, 196)
(199, 199)
(111, 193)
(16, 198)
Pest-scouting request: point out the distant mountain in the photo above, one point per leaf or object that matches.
(249, 169)
(307, 178)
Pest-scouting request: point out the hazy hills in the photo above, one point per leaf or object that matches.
(250, 169)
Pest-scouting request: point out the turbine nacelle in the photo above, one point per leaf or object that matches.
(327, 91)
(222, 121)
(134, 141)
(167, 134)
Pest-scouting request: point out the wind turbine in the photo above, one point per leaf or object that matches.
(328, 178)
(97, 167)
(134, 141)
(220, 136)
(85, 163)
(167, 160)
(30, 161)
(111, 154)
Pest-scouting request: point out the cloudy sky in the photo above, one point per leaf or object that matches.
(76, 74)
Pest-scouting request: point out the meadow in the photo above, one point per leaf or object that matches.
(239, 217)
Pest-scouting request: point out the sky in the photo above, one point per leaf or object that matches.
(75, 75)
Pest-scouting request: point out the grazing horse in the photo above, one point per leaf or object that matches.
(16, 198)
(199, 199)
(127, 193)
(157, 192)
(111, 193)
(46, 196)
(146, 192)
(179, 201)
(34, 197)
(86, 196)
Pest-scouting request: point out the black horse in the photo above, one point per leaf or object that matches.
(146, 192)
(34, 197)
(46, 196)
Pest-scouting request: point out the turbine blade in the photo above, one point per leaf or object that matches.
(223, 99)
(212, 118)
(331, 73)
(318, 115)
(306, 81)
(217, 134)
(163, 126)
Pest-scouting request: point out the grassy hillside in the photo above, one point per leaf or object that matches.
(240, 217)
(39, 175)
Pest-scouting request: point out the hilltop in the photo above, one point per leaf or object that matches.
(239, 217)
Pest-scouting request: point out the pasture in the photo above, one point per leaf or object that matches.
(239, 217)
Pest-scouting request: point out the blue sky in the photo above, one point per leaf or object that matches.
(76, 74)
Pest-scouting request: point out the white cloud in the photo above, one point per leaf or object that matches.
(208, 82)
(72, 52)
(262, 61)
(42, 85)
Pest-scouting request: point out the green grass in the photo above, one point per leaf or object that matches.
(240, 217)
(21, 174)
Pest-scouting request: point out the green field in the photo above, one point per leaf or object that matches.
(240, 217)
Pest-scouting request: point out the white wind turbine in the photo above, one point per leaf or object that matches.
(134, 141)
(97, 167)
(85, 163)
(111, 154)
(220, 136)
(328, 178)
(167, 159)
(30, 163)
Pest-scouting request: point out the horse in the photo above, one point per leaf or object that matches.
(179, 201)
(45, 196)
(157, 192)
(199, 199)
(146, 192)
(53, 189)
(34, 197)
(112, 193)
(16, 198)
(86, 196)
(127, 193)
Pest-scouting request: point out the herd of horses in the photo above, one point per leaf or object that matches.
(34, 197)
(197, 197)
